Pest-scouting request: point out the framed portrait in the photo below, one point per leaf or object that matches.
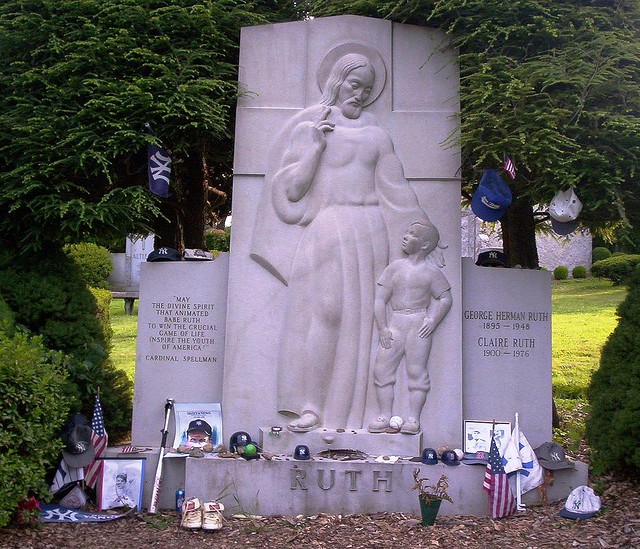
(478, 435)
(197, 424)
(121, 483)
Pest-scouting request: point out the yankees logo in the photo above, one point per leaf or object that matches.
(160, 166)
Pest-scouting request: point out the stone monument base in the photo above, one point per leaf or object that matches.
(285, 486)
(374, 444)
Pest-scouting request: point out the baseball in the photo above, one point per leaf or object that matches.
(395, 422)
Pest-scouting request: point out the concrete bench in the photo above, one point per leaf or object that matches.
(129, 300)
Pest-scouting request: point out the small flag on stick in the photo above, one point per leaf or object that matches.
(99, 439)
(496, 484)
(509, 166)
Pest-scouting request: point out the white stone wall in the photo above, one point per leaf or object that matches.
(553, 250)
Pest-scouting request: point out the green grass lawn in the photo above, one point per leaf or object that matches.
(583, 318)
(123, 350)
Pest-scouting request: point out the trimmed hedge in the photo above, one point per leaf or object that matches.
(217, 240)
(93, 261)
(560, 273)
(579, 271)
(34, 407)
(599, 253)
(613, 425)
(616, 268)
(48, 297)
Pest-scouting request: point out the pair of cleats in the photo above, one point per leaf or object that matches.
(381, 425)
(197, 515)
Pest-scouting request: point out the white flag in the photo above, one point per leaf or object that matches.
(531, 474)
(511, 456)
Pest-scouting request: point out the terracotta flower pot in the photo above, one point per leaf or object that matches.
(429, 511)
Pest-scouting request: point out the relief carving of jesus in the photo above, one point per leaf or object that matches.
(334, 190)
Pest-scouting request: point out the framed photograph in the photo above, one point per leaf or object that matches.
(478, 434)
(197, 424)
(121, 483)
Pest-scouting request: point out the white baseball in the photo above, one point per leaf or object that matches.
(459, 453)
(396, 422)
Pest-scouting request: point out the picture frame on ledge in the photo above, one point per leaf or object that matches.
(121, 483)
(478, 434)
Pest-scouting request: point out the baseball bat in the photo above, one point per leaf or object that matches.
(157, 482)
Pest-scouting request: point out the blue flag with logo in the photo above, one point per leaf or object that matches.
(159, 170)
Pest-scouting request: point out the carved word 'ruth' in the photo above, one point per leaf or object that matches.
(299, 480)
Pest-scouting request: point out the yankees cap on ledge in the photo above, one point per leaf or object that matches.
(551, 456)
(164, 254)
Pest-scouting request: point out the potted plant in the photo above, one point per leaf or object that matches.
(430, 496)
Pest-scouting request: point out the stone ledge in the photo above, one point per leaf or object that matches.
(284, 486)
(375, 444)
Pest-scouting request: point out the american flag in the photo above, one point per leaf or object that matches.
(509, 166)
(99, 439)
(496, 484)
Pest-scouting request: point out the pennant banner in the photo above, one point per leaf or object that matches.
(159, 170)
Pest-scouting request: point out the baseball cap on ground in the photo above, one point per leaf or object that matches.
(475, 458)
(164, 254)
(564, 211)
(551, 456)
(76, 436)
(492, 258)
(199, 425)
(582, 503)
(492, 198)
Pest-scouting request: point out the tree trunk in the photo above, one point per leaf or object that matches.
(519, 234)
(194, 204)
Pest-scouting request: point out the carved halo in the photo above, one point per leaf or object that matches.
(354, 47)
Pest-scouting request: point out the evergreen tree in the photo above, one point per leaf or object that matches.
(79, 81)
(554, 85)
(613, 426)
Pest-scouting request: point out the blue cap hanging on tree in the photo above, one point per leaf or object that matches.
(492, 198)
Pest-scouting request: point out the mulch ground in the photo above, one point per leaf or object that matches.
(617, 525)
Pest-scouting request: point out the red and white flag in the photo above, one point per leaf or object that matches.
(509, 166)
(496, 484)
(99, 439)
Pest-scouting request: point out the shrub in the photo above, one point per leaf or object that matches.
(48, 297)
(103, 313)
(93, 261)
(599, 253)
(613, 425)
(218, 240)
(579, 272)
(34, 407)
(560, 273)
(617, 269)
(7, 320)
(617, 254)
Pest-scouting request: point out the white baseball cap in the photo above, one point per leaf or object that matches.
(582, 503)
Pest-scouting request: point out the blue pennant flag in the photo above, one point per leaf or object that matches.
(159, 170)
